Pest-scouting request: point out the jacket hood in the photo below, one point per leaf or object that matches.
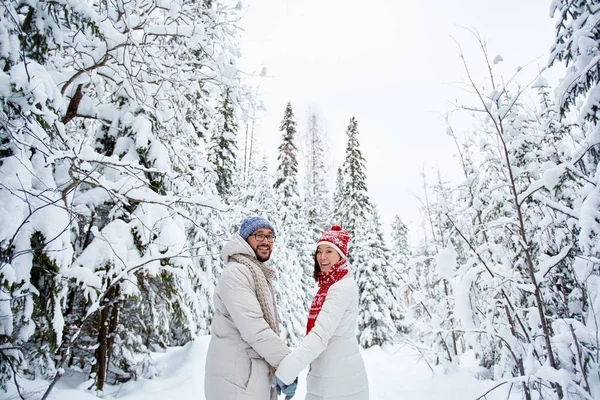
(236, 245)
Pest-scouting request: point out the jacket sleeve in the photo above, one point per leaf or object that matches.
(334, 306)
(239, 296)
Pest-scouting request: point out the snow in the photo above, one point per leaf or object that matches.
(588, 215)
(446, 262)
(396, 372)
(552, 176)
(549, 262)
(6, 323)
(541, 82)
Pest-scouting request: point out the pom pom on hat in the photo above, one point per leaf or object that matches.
(337, 238)
(252, 223)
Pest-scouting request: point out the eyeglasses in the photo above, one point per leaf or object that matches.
(260, 237)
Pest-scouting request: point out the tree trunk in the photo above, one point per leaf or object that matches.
(102, 350)
(112, 325)
(107, 319)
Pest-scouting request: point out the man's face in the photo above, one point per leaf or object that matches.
(261, 249)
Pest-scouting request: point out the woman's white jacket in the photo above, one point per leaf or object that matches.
(337, 371)
(242, 344)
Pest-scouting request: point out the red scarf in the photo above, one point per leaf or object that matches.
(326, 279)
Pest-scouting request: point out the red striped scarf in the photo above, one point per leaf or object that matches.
(326, 279)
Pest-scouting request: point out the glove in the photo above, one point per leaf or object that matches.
(288, 390)
(276, 383)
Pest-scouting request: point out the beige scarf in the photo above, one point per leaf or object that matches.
(262, 275)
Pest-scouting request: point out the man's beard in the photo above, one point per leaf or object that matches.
(261, 258)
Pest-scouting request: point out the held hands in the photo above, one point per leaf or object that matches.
(288, 390)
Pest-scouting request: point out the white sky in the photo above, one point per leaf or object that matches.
(391, 64)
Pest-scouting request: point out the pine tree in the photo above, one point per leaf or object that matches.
(223, 146)
(398, 270)
(338, 197)
(293, 283)
(378, 310)
(355, 204)
(400, 246)
(286, 179)
(258, 195)
(316, 202)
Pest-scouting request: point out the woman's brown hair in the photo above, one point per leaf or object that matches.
(317, 269)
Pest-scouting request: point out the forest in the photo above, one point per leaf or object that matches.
(128, 157)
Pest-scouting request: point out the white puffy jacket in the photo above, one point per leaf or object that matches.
(337, 371)
(242, 344)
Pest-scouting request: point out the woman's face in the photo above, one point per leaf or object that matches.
(327, 257)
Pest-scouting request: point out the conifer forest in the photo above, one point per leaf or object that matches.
(128, 157)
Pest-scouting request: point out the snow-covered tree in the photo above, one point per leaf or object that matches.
(286, 178)
(223, 145)
(293, 282)
(258, 194)
(397, 270)
(338, 196)
(316, 198)
(507, 242)
(428, 289)
(575, 183)
(354, 204)
(378, 310)
(105, 107)
(577, 45)
(400, 248)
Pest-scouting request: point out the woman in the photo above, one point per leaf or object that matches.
(330, 347)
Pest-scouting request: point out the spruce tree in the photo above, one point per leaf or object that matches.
(316, 202)
(338, 196)
(286, 178)
(400, 246)
(291, 257)
(398, 270)
(223, 146)
(354, 204)
(378, 310)
(258, 195)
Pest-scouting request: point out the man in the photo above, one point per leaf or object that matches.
(245, 347)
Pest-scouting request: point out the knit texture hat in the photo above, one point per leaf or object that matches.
(337, 238)
(252, 223)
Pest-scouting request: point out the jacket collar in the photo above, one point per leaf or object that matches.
(236, 245)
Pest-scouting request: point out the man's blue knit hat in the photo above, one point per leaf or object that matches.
(250, 224)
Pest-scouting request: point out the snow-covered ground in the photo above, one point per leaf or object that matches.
(397, 373)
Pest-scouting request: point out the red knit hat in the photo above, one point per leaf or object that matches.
(337, 238)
